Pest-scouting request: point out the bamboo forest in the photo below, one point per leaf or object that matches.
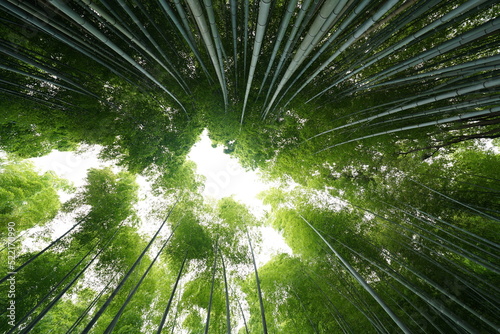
(373, 123)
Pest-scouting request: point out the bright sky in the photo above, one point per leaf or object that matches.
(70, 165)
(225, 176)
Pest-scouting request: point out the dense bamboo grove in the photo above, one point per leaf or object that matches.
(383, 115)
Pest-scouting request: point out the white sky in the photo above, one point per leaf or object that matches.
(225, 176)
(72, 166)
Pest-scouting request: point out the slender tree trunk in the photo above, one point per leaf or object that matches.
(47, 308)
(131, 294)
(207, 322)
(363, 283)
(228, 311)
(167, 309)
(127, 275)
(54, 288)
(242, 313)
(90, 306)
(40, 252)
(261, 302)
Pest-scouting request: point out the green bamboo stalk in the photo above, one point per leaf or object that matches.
(167, 309)
(433, 27)
(262, 20)
(91, 305)
(218, 45)
(458, 92)
(234, 28)
(48, 307)
(476, 33)
(434, 303)
(313, 326)
(127, 275)
(361, 281)
(131, 294)
(80, 89)
(228, 312)
(136, 41)
(186, 33)
(197, 11)
(261, 302)
(185, 23)
(214, 268)
(59, 32)
(339, 318)
(291, 40)
(305, 48)
(54, 288)
(241, 311)
(60, 5)
(458, 202)
(357, 34)
(281, 33)
(41, 252)
(470, 234)
(245, 37)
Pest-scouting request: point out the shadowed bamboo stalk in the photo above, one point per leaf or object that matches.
(127, 275)
(31, 312)
(281, 34)
(99, 35)
(91, 305)
(361, 281)
(234, 29)
(214, 269)
(261, 302)
(167, 309)
(310, 41)
(41, 252)
(218, 45)
(132, 292)
(474, 34)
(137, 42)
(458, 202)
(226, 290)
(357, 34)
(433, 27)
(33, 17)
(48, 307)
(418, 103)
(285, 54)
(186, 34)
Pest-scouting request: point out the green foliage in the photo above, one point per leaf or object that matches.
(182, 178)
(64, 314)
(189, 237)
(301, 302)
(111, 198)
(35, 281)
(26, 197)
(123, 250)
(235, 220)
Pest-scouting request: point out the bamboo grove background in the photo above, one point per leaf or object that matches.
(383, 114)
